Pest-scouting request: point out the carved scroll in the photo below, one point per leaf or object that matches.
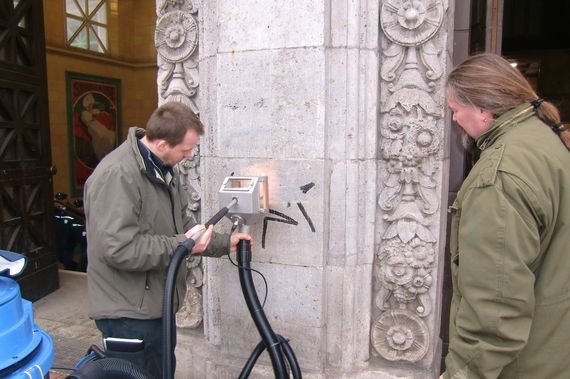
(410, 147)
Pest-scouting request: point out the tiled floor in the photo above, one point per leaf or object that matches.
(57, 375)
(63, 315)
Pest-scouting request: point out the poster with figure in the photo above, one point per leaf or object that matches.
(94, 123)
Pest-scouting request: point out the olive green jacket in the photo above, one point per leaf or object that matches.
(135, 220)
(510, 252)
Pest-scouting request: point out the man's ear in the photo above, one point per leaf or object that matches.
(161, 145)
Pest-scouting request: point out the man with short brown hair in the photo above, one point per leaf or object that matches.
(135, 211)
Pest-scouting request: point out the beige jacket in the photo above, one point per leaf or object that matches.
(135, 220)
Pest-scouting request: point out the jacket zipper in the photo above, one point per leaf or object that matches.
(146, 288)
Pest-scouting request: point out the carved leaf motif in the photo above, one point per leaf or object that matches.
(391, 232)
(408, 210)
(430, 57)
(409, 98)
(382, 298)
(406, 230)
(430, 199)
(424, 233)
(393, 180)
(428, 166)
(426, 182)
(386, 197)
(394, 56)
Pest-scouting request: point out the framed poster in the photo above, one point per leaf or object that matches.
(94, 123)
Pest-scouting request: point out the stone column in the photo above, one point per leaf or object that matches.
(340, 104)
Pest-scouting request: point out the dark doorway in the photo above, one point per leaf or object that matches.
(26, 198)
(536, 38)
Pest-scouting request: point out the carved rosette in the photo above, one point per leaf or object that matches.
(411, 22)
(410, 146)
(400, 336)
(176, 39)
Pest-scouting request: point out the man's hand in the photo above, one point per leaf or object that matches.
(235, 238)
(197, 228)
(204, 240)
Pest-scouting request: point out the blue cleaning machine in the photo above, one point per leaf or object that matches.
(26, 351)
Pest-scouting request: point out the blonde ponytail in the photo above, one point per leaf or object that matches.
(550, 115)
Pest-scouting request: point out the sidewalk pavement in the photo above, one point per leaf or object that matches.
(63, 315)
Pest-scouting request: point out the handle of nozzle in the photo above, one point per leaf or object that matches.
(221, 213)
(215, 218)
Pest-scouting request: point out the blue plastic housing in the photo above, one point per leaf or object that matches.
(27, 351)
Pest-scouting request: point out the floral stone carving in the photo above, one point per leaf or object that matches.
(408, 201)
(176, 39)
(411, 22)
(400, 335)
(191, 313)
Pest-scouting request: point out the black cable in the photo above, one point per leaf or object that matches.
(234, 227)
(259, 273)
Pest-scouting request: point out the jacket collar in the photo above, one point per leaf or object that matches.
(146, 164)
(502, 124)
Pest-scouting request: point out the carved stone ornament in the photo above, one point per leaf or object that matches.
(399, 335)
(411, 22)
(408, 201)
(176, 39)
(176, 36)
(164, 6)
(191, 313)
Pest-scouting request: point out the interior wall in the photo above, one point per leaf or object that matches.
(131, 59)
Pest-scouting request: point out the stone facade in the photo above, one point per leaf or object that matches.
(340, 104)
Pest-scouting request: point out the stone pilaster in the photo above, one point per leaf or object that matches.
(412, 183)
(176, 42)
(340, 104)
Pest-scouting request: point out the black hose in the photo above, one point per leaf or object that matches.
(287, 350)
(168, 326)
(244, 374)
(290, 355)
(168, 307)
(269, 338)
(110, 368)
